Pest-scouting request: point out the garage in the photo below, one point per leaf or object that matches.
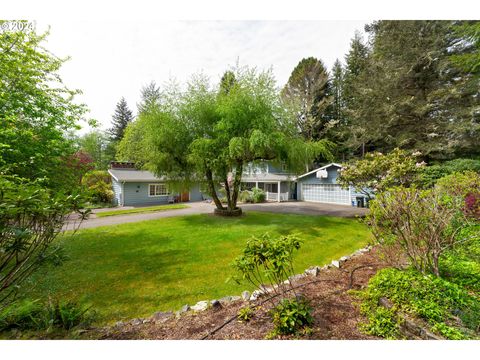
(326, 193)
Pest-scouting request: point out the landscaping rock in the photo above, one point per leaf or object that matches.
(200, 306)
(161, 317)
(255, 295)
(215, 304)
(184, 308)
(313, 271)
(336, 263)
(296, 277)
(119, 324)
(136, 322)
(246, 295)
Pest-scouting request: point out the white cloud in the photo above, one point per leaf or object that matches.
(111, 59)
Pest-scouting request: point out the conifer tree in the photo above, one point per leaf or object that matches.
(120, 119)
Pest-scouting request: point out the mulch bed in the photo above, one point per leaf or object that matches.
(335, 311)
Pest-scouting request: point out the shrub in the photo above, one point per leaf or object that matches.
(290, 316)
(431, 174)
(266, 260)
(99, 186)
(33, 315)
(258, 195)
(448, 308)
(245, 314)
(31, 217)
(245, 196)
(419, 222)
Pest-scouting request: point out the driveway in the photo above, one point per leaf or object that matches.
(293, 207)
(307, 208)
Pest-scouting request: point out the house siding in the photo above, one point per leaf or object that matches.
(136, 193)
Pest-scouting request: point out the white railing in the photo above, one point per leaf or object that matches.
(273, 196)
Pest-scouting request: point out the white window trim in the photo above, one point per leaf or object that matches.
(148, 190)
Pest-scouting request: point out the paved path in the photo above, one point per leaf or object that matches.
(293, 207)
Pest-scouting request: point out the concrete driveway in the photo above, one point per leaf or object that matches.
(293, 207)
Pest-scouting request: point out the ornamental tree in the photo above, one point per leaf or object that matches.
(377, 171)
(208, 134)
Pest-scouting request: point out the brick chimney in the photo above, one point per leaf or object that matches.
(122, 165)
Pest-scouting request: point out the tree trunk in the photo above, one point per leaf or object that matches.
(236, 183)
(211, 188)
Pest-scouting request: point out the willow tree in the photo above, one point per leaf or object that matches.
(208, 134)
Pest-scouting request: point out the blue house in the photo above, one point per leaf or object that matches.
(137, 187)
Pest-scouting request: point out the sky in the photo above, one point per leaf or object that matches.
(114, 59)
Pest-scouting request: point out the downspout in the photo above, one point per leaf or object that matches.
(123, 194)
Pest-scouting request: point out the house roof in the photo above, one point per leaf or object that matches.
(321, 168)
(131, 175)
(266, 177)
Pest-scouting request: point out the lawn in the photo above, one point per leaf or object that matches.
(142, 210)
(132, 270)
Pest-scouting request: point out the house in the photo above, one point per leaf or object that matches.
(278, 184)
(137, 187)
(320, 185)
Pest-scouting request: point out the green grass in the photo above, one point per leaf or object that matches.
(132, 270)
(142, 210)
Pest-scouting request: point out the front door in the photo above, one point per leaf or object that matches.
(185, 197)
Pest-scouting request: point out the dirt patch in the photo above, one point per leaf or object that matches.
(335, 312)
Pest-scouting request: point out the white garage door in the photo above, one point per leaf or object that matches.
(328, 193)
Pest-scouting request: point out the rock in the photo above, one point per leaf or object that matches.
(119, 324)
(215, 304)
(336, 263)
(161, 317)
(246, 295)
(255, 295)
(236, 298)
(313, 271)
(136, 322)
(383, 301)
(184, 309)
(297, 277)
(200, 306)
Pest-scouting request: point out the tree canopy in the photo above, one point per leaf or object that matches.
(207, 134)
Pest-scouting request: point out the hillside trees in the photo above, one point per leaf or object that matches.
(120, 119)
(209, 133)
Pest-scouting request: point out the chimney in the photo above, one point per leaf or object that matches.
(122, 165)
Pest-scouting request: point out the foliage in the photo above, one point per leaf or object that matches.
(290, 316)
(449, 309)
(150, 98)
(306, 92)
(195, 244)
(430, 174)
(33, 315)
(99, 186)
(208, 135)
(469, 33)
(36, 110)
(253, 196)
(377, 172)
(422, 223)
(120, 120)
(31, 217)
(99, 147)
(266, 260)
(403, 90)
(245, 314)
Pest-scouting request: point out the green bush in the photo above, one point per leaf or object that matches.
(431, 174)
(450, 310)
(99, 186)
(245, 314)
(258, 195)
(291, 316)
(33, 315)
(245, 196)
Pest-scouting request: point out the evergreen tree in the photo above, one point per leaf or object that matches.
(150, 96)
(120, 119)
(307, 93)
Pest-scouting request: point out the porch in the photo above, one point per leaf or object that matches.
(274, 190)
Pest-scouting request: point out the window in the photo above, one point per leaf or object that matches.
(271, 188)
(157, 190)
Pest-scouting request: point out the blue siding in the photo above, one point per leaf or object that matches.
(137, 194)
(195, 193)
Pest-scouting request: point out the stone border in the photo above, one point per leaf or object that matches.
(161, 317)
(227, 213)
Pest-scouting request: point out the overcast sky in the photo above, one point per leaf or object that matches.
(114, 59)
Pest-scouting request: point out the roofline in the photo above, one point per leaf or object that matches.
(113, 176)
(321, 168)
